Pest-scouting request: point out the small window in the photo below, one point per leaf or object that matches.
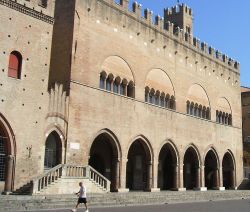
(43, 3)
(15, 65)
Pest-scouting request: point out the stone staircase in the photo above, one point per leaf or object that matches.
(23, 203)
(64, 179)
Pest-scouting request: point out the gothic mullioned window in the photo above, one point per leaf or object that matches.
(198, 110)
(223, 118)
(159, 98)
(116, 85)
(15, 65)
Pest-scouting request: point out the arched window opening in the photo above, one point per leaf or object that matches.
(157, 98)
(130, 89)
(147, 94)
(196, 110)
(192, 108)
(152, 96)
(116, 85)
(123, 87)
(109, 82)
(188, 107)
(230, 119)
(162, 100)
(208, 113)
(200, 111)
(15, 65)
(103, 76)
(2, 157)
(172, 103)
(204, 112)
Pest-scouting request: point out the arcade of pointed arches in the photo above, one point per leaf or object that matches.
(197, 172)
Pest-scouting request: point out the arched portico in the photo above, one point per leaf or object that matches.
(139, 166)
(7, 156)
(228, 170)
(192, 171)
(105, 156)
(212, 170)
(168, 167)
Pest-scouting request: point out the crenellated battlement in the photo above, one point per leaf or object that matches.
(40, 9)
(170, 29)
(180, 8)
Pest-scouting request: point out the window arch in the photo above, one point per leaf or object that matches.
(103, 76)
(130, 89)
(116, 85)
(109, 82)
(15, 65)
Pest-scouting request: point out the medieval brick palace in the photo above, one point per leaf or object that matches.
(93, 90)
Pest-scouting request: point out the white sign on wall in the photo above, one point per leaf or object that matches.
(74, 145)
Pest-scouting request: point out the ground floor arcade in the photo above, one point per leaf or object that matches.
(139, 168)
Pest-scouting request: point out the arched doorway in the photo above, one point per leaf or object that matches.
(211, 170)
(105, 158)
(228, 170)
(7, 156)
(139, 166)
(53, 151)
(167, 173)
(191, 169)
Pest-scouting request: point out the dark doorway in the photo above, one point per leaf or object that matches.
(167, 168)
(139, 159)
(191, 169)
(228, 171)
(104, 159)
(211, 171)
(53, 151)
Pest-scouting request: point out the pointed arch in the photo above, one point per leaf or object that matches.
(168, 161)
(139, 173)
(8, 156)
(105, 156)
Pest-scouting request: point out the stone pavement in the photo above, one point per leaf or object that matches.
(214, 206)
(24, 203)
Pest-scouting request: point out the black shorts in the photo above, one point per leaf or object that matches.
(82, 200)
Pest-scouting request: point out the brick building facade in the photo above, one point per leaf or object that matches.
(143, 102)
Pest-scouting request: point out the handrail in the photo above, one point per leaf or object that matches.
(69, 171)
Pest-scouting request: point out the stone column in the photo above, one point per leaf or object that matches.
(216, 179)
(181, 178)
(198, 178)
(232, 178)
(9, 172)
(123, 169)
(150, 177)
(202, 176)
(117, 174)
(176, 177)
(221, 188)
(155, 177)
(202, 180)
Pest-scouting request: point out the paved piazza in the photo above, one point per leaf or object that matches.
(220, 206)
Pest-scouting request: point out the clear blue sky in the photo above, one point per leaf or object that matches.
(223, 24)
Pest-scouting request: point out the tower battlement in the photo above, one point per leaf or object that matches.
(177, 25)
(40, 9)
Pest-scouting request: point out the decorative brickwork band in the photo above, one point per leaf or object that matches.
(28, 11)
